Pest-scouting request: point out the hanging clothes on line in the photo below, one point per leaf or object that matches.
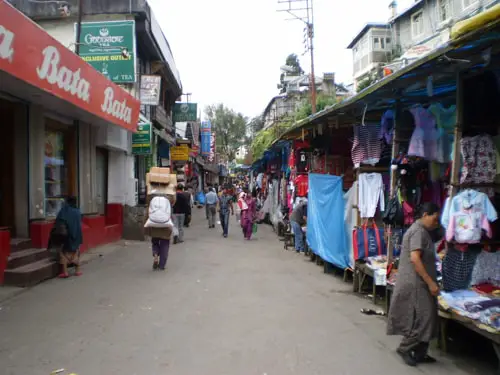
(367, 145)
(446, 119)
(480, 162)
(423, 142)
(370, 194)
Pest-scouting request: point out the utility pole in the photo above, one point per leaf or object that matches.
(79, 26)
(302, 10)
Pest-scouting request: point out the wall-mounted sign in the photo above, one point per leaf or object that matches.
(184, 112)
(141, 140)
(179, 153)
(150, 90)
(110, 48)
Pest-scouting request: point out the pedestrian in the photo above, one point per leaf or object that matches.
(181, 209)
(298, 220)
(189, 199)
(206, 191)
(413, 313)
(248, 211)
(159, 227)
(211, 202)
(225, 206)
(68, 227)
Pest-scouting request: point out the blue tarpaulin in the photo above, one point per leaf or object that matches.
(325, 219)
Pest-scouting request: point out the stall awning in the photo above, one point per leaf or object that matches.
(37, 68)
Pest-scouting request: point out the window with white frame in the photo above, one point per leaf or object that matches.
(376, 43)
(468, 3)
(417, 24)
(444, 10)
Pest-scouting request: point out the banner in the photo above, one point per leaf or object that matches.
(211, 158)
(179, 153)
(109, 47)
(141, 140)
(184, 112)
(206, 137)
(150, 90)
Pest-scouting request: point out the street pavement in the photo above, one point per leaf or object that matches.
(224, 306)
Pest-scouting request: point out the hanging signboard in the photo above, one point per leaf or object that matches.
(141, 140)
(184, 112)
(211, 158)
(179, 153)
(150, 90)
(206, 130)
(109, 47)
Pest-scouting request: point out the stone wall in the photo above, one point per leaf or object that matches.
(133, 223)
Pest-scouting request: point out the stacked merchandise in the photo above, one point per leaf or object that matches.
(160, 181)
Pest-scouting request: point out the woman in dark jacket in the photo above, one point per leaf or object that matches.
(68, 227)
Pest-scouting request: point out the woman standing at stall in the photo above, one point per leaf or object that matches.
(413, 313)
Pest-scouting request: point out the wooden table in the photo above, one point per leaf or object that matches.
(361, 272)
(446, 316)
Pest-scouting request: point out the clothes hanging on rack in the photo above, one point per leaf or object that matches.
(457, 269)
(387, 126)
(480, 162)
(472, 200)
(302, 185)
(486, 269)
(466, 226)
(423, 142)
(446, 119)
(367, 146)
(370, 194)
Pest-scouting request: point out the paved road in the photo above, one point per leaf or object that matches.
(223, 307)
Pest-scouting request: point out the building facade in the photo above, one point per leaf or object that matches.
(409, 35)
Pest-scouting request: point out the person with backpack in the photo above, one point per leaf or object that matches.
(159, 227)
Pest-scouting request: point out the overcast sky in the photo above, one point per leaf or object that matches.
(230, 51)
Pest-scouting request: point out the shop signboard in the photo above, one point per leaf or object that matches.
(179, 153)
(141, 140)
(211, 158)
(150, 90)
(184, 112)
(206, 137)
(109, 46)
(31, 55)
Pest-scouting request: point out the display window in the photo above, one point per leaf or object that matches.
(59, 165)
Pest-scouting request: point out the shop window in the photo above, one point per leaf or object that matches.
(59, 165)
(417, 24)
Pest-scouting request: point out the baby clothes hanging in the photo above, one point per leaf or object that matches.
(423, 142)
(367, 146)
(479, 159)
(370, 194)
(446, 119)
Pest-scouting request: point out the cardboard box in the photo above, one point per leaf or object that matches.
(159, 175)
(169, 187)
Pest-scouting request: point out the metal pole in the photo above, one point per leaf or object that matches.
(313, 78)
(79, 26)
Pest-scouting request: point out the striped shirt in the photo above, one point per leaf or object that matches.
(367, 144)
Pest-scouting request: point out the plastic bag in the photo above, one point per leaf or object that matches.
(200, 197)
(254, 228)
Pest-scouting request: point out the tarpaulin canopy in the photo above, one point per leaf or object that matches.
(326, 235)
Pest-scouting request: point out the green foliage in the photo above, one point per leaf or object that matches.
(230, 128)
(293, 61)
(367, 82)
(322, 101)
(262, 142)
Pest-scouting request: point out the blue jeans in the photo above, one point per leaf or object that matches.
(299, 236)
(224, 221)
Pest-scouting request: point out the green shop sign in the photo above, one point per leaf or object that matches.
(184, 112)
(141, 140)
(110, 48)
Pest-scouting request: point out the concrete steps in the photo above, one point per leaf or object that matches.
(31, 273)
(19, 244)
(24, 257)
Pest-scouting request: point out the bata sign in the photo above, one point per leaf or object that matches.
(30, 54)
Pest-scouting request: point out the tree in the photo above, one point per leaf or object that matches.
(230, 129)
(255, 125)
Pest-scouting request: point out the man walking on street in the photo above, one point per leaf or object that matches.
(225, 204)
(298, 219)
(211, 202)
(181, 209)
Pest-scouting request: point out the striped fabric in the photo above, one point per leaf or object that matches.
(367, 145)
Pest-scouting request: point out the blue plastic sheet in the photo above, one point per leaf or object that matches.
(325, 219)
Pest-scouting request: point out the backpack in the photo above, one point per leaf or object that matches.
(393, 214)
(159, 213)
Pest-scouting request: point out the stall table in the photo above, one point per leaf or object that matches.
(361, 272)
(446, 316)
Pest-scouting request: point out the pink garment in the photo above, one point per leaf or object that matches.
(423, 141)
(408, 213)
(466, 226)
(367, 145)
(248, 217)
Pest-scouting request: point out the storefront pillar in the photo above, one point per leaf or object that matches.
(36, 162)
(87, 169)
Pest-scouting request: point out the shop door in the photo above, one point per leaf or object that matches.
(7, 209)
(102, 179)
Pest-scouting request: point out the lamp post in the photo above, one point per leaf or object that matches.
(79, 26)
